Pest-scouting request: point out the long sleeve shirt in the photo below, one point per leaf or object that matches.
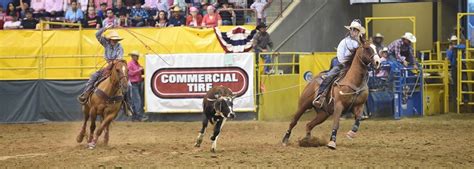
(345, 49)
(397, 48)
(451, 54)
(134, 71)
(259, 6)
(112, 52)
(262, 41)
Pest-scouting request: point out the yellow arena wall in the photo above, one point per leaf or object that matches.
(75, 54)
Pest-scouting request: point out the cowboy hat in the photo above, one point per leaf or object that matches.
(385, 49)
(378, 35)
(410, 37)
(356, 24)
(113, 35)
(453, 38)
(176, 9)
(134, 53)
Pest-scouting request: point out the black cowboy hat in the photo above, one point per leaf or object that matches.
(262, 25)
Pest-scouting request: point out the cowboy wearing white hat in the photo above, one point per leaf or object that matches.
(402, 50)
(378, 41)
(451, 55)
(113, 51)
(345, 49)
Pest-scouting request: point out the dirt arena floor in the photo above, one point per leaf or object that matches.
(436, 141)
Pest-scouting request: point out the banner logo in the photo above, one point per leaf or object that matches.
(195, 82)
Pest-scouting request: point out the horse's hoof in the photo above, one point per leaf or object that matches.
(351, 135)
(213, 150)
(79, 138)
(197, 145)
(91, 146)
(331, 145)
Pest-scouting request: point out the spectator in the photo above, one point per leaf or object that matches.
(24, 7)
(129, 3)
(182, 5)
(452, 56)
(227, 14)
(383, 58)
(124, 21)
(102, 11)
(211, 19)
(55, 8)
(177, 19)
(74, 15)
(135, 72)
(41, 14)
(260, 6)
(378, 42)
(110, 19)
(162, 5)
(239, 15)
(83, 4)
(45, 26)
(194, 19)
(92, 20)
(151, 5)
(12, 11)
(108, 3)
(138, 15)
(2, 17)
(263, 43)
(149, 21)
(29, 22)
(161, 20)
(402, 50)
(204, 6)
(120, 10)
(38, 5)
(11, 22)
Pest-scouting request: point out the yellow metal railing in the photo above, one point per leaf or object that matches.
(460, 69)
(438, 73)
(280, 60)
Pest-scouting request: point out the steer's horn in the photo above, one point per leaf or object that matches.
(211, 100)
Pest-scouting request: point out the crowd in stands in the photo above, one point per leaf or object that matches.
(26, 14)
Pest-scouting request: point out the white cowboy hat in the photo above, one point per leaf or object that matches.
(410, 37)
(356, 24)
(379, 35)
(453, 38)
(134, 53)
(113, 35)
(385, 49)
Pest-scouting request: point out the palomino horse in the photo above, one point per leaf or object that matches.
(348, 93)
(106, 101)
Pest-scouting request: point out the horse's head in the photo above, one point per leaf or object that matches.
(368, 54)
(120, 73)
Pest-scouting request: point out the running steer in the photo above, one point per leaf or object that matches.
(217, 107)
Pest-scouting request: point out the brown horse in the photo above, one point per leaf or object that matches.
(347, 94)
(105, 101)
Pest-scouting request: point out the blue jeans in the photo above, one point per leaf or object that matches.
(137, 98)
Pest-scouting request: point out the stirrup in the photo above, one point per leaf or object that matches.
(319, 101)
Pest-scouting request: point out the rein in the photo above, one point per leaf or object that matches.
(115, 87)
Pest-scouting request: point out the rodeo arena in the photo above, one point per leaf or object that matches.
(236, 83)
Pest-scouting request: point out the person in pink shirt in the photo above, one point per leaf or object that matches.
(135, 72)
(54, 6)
(211, 19)
(98, 2)
(38, 5)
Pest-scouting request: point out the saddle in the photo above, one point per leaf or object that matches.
(329, 100)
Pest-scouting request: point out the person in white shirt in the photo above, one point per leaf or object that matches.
(260, 6)
(345, 50)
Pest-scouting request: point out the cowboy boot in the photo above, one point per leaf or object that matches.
(85, 94)
(320, 95)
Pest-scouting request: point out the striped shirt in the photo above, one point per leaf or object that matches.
(112, 52)
(397, 48)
